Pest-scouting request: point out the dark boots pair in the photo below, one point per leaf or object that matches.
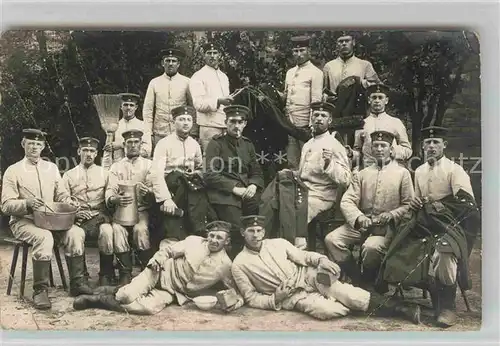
(124, 260)
(41, 274)
(103, 298)
(443, 301)
(388, 307)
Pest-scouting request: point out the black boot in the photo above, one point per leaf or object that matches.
(124, 260)
(97, 301)
(368, 277)
(77, 284)
(434, 293)
(446, 296)
(144, 257)
(106, 269)
(350, 269)
(387, 307)
(41, 273)
(86, 274)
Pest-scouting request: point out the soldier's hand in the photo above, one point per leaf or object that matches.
(384, 218)
(122, 200)
(300, 243)
(34, 203)
(282, 293)
(416, 203)
(330, 266)
(109, 147)
(364, 222)
(169, 206)
(154, 265)
(249, 191)
(143, 189)
(226, 101)
(84, 215)
(239, 191)
(144, 153)
(327, 154)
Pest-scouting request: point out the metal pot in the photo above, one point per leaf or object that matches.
(55, 216)
(127, 215)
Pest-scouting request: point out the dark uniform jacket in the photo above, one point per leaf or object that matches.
(230, 163)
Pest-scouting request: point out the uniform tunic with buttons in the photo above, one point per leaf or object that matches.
(25, 180)
(124, 126)
(337, 70)
(164, 93)
(174, 153)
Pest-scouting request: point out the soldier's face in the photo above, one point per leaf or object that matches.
(87, 155)
(381, 151)
(345, 45)
(212, 58)
(217, 240)
(133, 147)
(320, 121)
(301, 55)
(235, 126)
(434, 148)
(33, 148)
(171, 65)
(128, 109)
(253, 236)
(183, 124)
(377, 102)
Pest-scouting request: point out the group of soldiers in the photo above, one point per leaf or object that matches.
(189, 155)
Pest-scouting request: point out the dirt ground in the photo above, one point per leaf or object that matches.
(17, 313)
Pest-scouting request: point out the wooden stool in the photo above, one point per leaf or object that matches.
(18, 244)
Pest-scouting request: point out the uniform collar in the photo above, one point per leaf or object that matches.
(233, 140)
(83, 167)
(389, 163)
(306, 64)
(30, 163)
(353, 57)
(180, 138)
(212, 69)
(442, 160)
(380, 115)
(326, 133)
(133, 160)
(168, 77)
(128, 121)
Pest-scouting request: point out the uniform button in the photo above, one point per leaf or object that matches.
(444, 243)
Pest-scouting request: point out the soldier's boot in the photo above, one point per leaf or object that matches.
(106, 290)
(367, 279)
(86, 275)
(350, 269)
(97, 301)
(77, 282)
(144, 257)
(434, 293)
(106, 269)
(447, 295)
(124, 260)
(41, 273)
(387, 306)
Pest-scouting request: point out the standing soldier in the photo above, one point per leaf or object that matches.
(209, 88)
(233, 176)
(129, 121)
(150, 187)
(27, 185)
(303, 86)
(165, 92)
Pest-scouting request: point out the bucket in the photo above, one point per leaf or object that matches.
(55, 216)
(127, 215)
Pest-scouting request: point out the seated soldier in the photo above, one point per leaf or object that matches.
(372, 205)
(272, 274)
(179, 156)
(27, 186)
(178, 271)
(150, 188)
(87, 183)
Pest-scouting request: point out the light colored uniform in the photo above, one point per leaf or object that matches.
(335, 71)
(206, 86)
(382, 122)
(188, 269)
(323, 184)
(258, 275)
(24, 180)
(88, 185)
(124, 126)
(443, 179)
(173, 153)
(373, 191)
(164, 93)
(303, 86)
(136, 170)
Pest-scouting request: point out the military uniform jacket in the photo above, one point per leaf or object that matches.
(230, 163)
(87, 185)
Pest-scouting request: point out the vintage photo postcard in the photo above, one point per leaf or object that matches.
(264, 180)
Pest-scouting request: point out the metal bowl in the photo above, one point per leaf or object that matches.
(205, 302)
(55, 216)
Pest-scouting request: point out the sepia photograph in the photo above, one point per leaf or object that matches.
(240, 180)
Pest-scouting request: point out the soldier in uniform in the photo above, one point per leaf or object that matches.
(87, 183)
(130, 102)
(378, 197)
(151, 188)
(179, 156)
(209, 88)
(379, 120)
(233, 176)
(28, 185)
(164, 93)
(303, 86)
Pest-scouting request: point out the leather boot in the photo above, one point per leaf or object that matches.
(368, 277)
(77, 284)
(447, 295)
(350, 269)
(106, 269)
(434, 293)
(124, 260)
(97, 301)
(144, 257)
(387, 306)
(41, 273)
(106, 290)
(86, 274)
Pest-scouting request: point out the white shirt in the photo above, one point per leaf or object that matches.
(173, 153)
(337, 70)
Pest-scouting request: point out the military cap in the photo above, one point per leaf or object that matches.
(219, 226)
(434, 132)
(86, 142)
(172, 52)
(353, 34)
(128, 97)
(252, 221)
(300, 41)
(322, 106)
(211, 46)
(182, 110)
(34, 134)
(382, 136)
(237, 110)
(133, 133)
(377, 88)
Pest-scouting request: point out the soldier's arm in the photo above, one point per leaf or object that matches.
(12, 204)
(317, 86)
(256, 175)
(338, 170)
(61, 193)
(407, 193)
(189, 97)
(160, 156)
(112, 185)
(370, 77)
(156, 179)
(213, 176)
(349, 203)
(460, 180)
(202, 102)
(148, 109)
(402, 150)
(302, 257)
